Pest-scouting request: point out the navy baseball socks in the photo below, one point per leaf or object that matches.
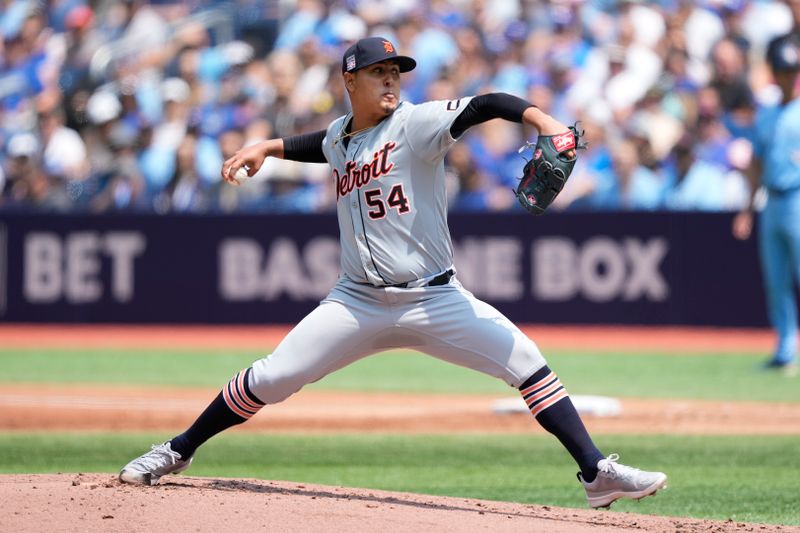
(233, 405)
(543, 392)
(603, 478)
(549, 403)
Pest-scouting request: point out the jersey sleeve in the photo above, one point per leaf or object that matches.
(330, 135)
(427, 128)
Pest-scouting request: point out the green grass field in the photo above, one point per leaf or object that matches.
(645, 375)
(744, 478)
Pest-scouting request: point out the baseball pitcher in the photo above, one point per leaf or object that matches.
(398, 287)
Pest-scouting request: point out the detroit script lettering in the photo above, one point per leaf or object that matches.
(356, 176)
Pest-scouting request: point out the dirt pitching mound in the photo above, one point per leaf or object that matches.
(98, 502)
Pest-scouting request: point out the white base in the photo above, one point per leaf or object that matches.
(585, 405)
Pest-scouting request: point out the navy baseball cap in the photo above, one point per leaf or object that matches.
(783, 54)
(373, 50)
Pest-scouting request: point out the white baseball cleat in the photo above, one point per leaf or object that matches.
(150, 467)
(615, 481)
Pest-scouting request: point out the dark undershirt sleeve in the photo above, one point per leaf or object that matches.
(486, 107)
(306, 148)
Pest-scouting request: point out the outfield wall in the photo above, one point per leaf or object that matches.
(593, 268)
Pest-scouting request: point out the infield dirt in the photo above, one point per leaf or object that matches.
(98, 503)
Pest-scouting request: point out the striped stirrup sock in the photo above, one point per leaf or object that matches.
(233, 405)
(550, 405)
(543, 392)
(238, 397)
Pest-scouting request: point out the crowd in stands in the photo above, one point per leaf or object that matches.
(132, 106)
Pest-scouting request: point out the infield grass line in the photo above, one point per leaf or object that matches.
(645, 375)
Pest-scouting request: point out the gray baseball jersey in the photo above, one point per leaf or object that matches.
(391, 198)
(392, 208)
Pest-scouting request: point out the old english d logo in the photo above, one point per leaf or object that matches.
(388, 47)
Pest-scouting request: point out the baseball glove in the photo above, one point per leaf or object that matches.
(544, 176)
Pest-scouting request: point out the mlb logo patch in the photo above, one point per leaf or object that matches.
(351, 62)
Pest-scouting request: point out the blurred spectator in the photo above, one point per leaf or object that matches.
(637, 187)
(65, 154)
(696, 184)
(132, 104)
(81, 41)
(300, 24)
(285, 70)
(103, 110)
(124, 187)
(494, 148)
(23, 178)
(653, 128)
(184, 193)
(288, 190)
(730, 74)
(473, 190)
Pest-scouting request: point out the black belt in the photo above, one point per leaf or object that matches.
(441, 279)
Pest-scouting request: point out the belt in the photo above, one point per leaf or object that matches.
(441, 279)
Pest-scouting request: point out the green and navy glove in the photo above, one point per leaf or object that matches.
(544, 176)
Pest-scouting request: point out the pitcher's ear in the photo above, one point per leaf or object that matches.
(349, 81)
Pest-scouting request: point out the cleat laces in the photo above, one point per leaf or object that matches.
(155, 458)
(614, 470)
